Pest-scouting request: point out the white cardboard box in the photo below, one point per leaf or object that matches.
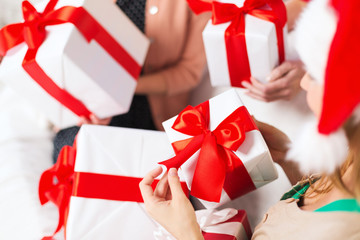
(84, 69)
(261, 42)
(114, 151)
(253, 152)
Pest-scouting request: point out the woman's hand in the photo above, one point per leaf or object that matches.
(278, 144)
(94, 120)
(284, 83)
(169, 206)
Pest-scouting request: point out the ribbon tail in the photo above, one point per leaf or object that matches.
(236, 50)
(62, 96)
(185, 154)
(210, 172)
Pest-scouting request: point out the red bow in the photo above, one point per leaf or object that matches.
(217, 148)
(238, 61)
(56, 184)
(33, 32)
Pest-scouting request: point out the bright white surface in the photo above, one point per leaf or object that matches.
(25, 152)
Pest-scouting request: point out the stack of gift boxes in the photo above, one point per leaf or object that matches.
(67, 70)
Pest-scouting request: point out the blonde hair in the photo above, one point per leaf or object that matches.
(327, 182)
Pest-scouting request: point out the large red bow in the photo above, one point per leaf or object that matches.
(217, 147)
(32, 31)
(238, 61)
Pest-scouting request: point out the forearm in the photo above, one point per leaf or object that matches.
(291, 170)
(151, 84)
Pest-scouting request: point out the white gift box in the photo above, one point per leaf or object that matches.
(114, 151)
(253, 152)
(222, 224)
(82, 68)
(261, 42)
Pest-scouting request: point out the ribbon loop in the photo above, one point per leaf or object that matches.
(34, 33)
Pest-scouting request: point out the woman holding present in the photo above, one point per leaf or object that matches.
(173, 66)
(324, 206)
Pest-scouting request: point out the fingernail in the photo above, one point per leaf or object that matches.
(268, 78)
(172, 172)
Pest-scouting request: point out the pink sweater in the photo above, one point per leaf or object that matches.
(176, 54)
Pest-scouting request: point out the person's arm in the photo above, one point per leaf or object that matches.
(169, 206)
(278, 144)
(186, 73)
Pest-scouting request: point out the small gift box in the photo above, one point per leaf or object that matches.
(226, 224)
(99, 198)
(221, 152)
(71, 58)
(243, 39)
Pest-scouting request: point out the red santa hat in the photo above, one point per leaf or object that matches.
(328, 42)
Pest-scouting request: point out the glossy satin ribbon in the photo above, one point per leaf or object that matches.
(217, 166)
(56, 184)
(33, 33)
(237, 57)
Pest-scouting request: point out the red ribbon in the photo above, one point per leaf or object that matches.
(33, 33)
(238, 61)
(240, 217)
(122, 188)
(217, 167)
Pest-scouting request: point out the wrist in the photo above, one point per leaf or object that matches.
(192, 234)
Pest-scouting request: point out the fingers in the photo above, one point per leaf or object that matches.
(266, 92)
(162, 187)
(145, 185)
(95, 120)
(83, 120)
(175, 185)
(280, 71)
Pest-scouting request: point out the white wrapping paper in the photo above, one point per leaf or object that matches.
(114, 151)
(253, 152)
(84, 69)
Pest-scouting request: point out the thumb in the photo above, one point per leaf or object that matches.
(174, 183)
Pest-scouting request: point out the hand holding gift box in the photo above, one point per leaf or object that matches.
(220, 150)
(98, 193)
(243, 40)
(222, 224)
(69, 59)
